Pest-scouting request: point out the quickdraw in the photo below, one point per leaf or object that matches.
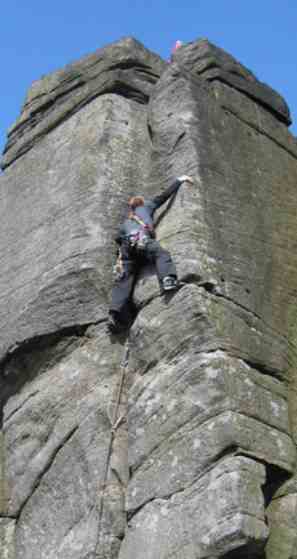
(139, 239)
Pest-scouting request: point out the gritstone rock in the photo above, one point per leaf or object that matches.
(201, 463)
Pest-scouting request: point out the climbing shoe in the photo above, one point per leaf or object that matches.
(114, 325)
(169, 283)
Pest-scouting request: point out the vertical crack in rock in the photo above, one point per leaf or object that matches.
(204, 462)
(218, 232)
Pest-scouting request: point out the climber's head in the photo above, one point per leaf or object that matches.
(135, 201)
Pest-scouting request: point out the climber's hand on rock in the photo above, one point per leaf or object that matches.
(186, 178)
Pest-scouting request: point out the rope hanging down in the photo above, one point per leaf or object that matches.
(115, 422)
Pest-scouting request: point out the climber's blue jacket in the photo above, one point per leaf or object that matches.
(145, 213)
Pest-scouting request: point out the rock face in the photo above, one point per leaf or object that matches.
(200, 462)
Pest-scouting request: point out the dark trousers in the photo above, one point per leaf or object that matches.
(132, 261)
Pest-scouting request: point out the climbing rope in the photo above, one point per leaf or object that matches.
(115, 422)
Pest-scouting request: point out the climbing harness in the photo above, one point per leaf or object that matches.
(140, 238)
(137, 240)
(115, 423)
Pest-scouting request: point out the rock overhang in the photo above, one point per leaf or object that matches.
(211, 63)
(127, 68)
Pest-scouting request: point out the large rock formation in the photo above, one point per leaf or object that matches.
(201, 460)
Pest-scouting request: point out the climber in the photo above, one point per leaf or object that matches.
(176, 46)
(138, 245)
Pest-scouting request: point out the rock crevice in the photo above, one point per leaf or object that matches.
(202, 460)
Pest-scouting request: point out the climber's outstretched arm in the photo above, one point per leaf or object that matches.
(156, 202)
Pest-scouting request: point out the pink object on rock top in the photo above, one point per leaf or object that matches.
(176, 46)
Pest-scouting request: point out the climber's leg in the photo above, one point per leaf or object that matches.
(165, 267)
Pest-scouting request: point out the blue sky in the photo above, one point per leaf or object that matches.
(39, 37)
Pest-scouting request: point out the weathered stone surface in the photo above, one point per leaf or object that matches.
(204, 59)
(125, 68)
(237, 237)
(191, 404)
(7, 538)
(3, 485)
(224, 511)
(67, 199)
(282, 515)
(237, 314)
(210, 396)
(57, 433)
